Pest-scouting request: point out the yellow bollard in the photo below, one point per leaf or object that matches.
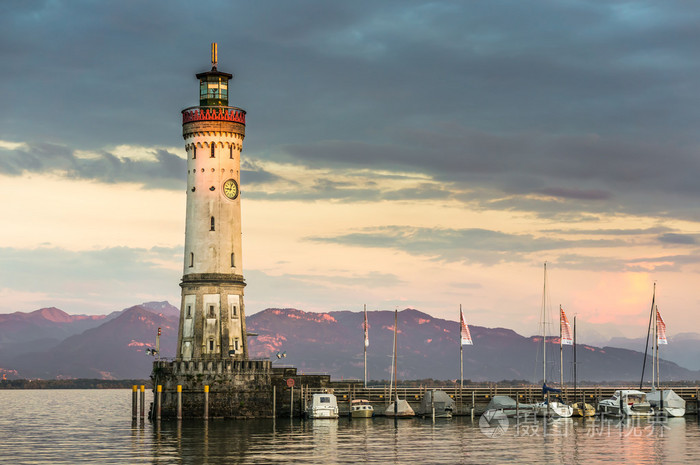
(206, 402)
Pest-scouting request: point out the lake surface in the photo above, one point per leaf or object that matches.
(95, 426)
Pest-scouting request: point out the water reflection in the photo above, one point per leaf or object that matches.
(62, 427)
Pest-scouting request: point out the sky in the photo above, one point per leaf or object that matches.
(397, 154)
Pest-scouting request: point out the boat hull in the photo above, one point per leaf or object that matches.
(583, 410)
(553, 410)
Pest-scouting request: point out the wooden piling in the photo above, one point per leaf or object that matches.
(291, 402)
(134, 403)
(143, 401)
(179, 402)
(206, 402)
(274, 401)
(159, 390)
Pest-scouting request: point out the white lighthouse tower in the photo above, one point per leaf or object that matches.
(212, 313)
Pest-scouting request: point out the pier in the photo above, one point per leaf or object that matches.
(256, 389)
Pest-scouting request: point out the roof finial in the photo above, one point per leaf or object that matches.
(214, 55)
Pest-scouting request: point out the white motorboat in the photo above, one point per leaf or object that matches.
(322, 406)
(626, 402)
(361, 408)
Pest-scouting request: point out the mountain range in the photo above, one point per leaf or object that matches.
(49, 343)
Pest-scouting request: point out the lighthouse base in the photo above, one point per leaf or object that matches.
(229, 389)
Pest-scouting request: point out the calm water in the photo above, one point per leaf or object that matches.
(83, 426)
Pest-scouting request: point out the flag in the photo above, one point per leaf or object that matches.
(565, 329)
(465, 336)
(660, 329)
(366, 333)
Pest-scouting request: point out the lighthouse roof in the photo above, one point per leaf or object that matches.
(214, 72)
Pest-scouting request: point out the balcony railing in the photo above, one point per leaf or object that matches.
(233, 114)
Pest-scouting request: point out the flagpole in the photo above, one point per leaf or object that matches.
(364, 343)
(461, 359)
(561, 352)
(658, 366)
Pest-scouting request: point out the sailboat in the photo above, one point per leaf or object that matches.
(399, 408)
(664, 401)
(580, 409)
(548, 407)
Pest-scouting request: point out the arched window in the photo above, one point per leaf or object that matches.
(233, 260)
(212, 150)
(212, 224)
(191, 259)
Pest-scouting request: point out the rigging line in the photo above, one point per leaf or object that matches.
(646, 347)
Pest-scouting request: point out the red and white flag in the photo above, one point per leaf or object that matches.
(660, 329)
(465, 338)
(366, 333)
(565, 328)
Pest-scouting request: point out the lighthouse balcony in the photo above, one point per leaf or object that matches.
(213, 113)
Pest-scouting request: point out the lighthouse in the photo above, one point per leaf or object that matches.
(212, 313)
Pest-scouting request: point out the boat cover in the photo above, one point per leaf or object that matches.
(443, 403)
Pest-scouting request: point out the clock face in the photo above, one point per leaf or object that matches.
(231, 189)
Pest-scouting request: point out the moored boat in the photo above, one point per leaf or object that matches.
(322, 406)
(552, 405)
(438, 400)
(667, 402)
(399, 409)
(582, 409)
(626, 402)
(361, 408)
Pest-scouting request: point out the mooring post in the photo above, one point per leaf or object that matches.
(472, 409)
(291, 402)
(133, 403)
(143, 402)
(206, 402)
(179, 402)
(159, 390)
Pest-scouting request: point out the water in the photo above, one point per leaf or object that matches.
(94, 426)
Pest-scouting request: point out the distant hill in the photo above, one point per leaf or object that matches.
(428, 348)
(113, 347)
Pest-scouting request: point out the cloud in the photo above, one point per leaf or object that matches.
(159, 169)
(92, 281)
(472, 245)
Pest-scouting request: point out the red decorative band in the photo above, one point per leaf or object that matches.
(235, 115)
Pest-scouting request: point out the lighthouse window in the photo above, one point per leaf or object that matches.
(233, 260)
(230, 151)
(191, 259)
(194, 152)
(212, 224)
(235, 344)
(211, 312)
(189, 311)
(212, 150)
(234, 310)
(211, 344)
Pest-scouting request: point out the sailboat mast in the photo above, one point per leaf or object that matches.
(364, 344)
(396, 345)
(544, 327)
(574, 356)
(461, 360)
